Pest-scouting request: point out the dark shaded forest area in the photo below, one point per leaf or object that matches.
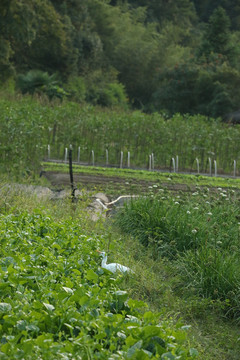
(159, 55)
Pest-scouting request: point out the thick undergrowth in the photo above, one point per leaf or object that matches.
(57, 302)
(199, 233)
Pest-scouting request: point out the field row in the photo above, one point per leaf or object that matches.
(28, 128)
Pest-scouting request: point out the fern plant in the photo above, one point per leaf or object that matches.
(42, 82)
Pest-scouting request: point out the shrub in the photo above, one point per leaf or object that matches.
(77, 89)
(113, 95)
(41, 82)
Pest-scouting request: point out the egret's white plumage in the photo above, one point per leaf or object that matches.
(113, 267)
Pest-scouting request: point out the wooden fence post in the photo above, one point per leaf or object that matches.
(71, 174)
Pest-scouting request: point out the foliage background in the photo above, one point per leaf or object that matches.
(180, 56)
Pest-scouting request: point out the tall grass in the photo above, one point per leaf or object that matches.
(215, 274)
(176, 224)
(199, 233)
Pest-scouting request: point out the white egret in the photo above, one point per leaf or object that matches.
(113, 267)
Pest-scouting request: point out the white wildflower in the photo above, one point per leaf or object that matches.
(194, 231)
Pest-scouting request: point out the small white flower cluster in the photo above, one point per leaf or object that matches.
(195, 193)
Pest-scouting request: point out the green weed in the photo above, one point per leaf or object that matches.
(57, 302)
(200, 231)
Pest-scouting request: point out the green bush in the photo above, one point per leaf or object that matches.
(40, 82)
(113, 95)
(102, 88)
(77, 89)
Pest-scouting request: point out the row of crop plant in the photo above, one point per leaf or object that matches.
(27, 127)
(126, 160)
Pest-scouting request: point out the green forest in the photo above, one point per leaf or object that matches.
(163, 56)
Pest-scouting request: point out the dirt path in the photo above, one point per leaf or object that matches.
(59, 180)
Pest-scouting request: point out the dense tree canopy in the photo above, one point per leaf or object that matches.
(176, 56)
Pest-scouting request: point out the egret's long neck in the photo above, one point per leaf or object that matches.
(104, 261)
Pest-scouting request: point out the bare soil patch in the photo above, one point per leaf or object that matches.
(59, 180)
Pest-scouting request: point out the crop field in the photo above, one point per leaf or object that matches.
(180, 236)
(58, 303)
(31, 131)
(58, 173)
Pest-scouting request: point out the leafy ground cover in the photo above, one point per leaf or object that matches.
(57, 302)
(35, 229)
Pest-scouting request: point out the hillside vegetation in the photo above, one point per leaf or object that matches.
(177, 56)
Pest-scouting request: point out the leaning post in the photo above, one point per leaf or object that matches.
(71, 174)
